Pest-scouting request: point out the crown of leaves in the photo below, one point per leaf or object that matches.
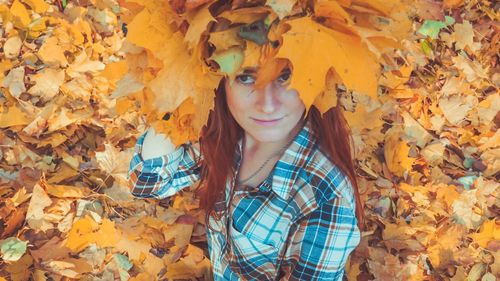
(179, 50)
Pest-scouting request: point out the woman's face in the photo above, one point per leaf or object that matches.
(267, 114)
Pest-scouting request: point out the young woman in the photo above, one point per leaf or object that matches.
(278, 185)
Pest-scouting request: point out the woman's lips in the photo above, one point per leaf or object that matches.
(270, 122)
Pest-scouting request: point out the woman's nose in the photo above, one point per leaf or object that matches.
(267, 100)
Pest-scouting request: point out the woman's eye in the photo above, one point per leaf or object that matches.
(284, 77)
(245, 79)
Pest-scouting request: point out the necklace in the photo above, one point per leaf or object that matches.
(268, 159)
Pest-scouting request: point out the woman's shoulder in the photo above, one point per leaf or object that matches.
(325, 179)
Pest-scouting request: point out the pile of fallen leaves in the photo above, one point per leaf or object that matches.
(427, 149)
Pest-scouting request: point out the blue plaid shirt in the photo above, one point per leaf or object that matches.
(299, 224)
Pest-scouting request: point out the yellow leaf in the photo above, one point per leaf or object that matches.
(52, 54)
(225, 39)
(143, 276)
(124, 105)
(328, 98)
(149, 29)
(362, 118)
(39, 6)
(5, 65)
(13, 116)
(489, 231)
(20, 15)
(83, 64)
(350, 58)
(333, 11)
(246, 15)
(86, 231)
(186, 270)
(114, 71)
(447, 194)
(65, 117)
(450, 4)
(37, 27)
(199, 22)
(133, 248)
(396, 153)
(77, 237)
(252, 54)
(181, 233)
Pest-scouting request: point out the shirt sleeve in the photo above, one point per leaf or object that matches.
(321, 243)
(162, 176)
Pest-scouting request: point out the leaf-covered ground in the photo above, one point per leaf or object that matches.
(427, 150)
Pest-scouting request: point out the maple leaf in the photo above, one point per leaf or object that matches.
(348, 56)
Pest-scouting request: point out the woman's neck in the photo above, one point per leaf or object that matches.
(255, 147)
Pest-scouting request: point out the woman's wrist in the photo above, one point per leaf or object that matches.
(156, 145)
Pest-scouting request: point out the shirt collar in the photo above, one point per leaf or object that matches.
(288, 167)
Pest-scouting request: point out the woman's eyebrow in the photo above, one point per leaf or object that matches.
(249, 70)
(253, 70)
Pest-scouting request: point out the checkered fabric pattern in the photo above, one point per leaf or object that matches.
(298, 224)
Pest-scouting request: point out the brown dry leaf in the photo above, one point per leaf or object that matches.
(14, 81)
(12, 47)
(66, 191)
(14, 221)
(51, 250)
(471, 70)
(464, 37)
(19, 270)
(442, 249)
(153, 264)
(114, 162)
(181, 233)
(20, 197)
(36, 215)
(464, 211)
(72, 268)
(456, 107)
(415, 130)
(47, 83)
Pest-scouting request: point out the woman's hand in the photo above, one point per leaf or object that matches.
(156, 145)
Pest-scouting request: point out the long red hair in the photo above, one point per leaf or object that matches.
(219, 141)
